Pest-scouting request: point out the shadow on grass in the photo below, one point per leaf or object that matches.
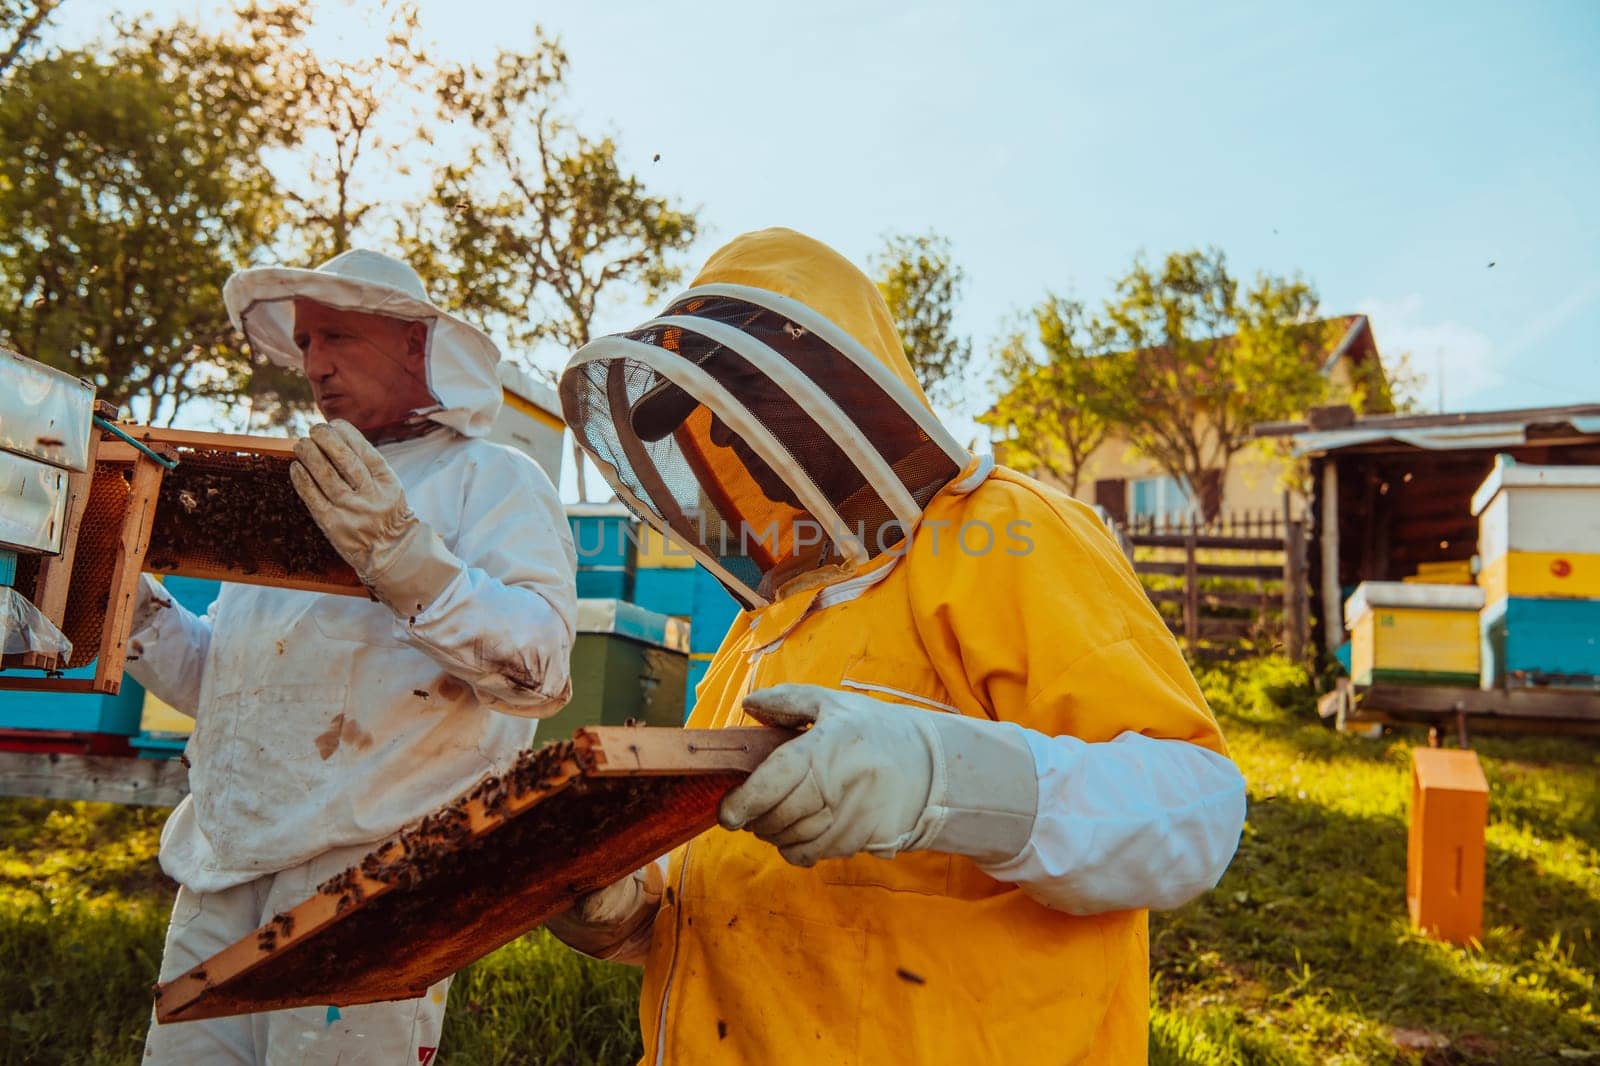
(1314, 906)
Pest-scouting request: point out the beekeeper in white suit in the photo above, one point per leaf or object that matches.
(324, 723)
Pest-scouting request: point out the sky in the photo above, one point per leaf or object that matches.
(1434, 165)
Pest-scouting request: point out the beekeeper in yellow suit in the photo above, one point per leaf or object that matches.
(1007, 760)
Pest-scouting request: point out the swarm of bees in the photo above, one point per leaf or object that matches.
(240, 510)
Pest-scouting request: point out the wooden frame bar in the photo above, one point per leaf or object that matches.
(188, 438)
(124, 592)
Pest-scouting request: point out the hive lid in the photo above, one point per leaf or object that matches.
(45, 414)
(1508, 473)
(1373, 594)
(626, 619)
(502, 859)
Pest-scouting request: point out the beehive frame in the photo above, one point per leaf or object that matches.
(90, 589)
(502, 859)
(242, 466)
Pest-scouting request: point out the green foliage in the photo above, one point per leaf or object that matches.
(1198, 363)
(539, 220)
(1051, 408)
(537, 1001)
(20, 23)
(128, 193)
(1303, 953)
(922, 283)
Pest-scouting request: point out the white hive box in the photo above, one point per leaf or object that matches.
(530, 419)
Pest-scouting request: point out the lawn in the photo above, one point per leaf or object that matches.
(1302, 955)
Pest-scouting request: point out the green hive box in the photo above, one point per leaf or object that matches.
(626, 663)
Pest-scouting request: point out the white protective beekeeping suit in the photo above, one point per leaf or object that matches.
(324, 722)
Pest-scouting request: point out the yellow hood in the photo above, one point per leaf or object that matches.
(806, 270)
(768, 419)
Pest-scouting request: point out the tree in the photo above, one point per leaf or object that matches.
(1193, 363)
(1051, 407)
(921, 283)
(341, 114)
(20, 24)
(129, 191)
(539, 220)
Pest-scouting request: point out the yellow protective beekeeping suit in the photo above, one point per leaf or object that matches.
(1012, 603)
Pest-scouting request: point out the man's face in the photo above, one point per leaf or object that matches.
(775, 487)
(367, 369)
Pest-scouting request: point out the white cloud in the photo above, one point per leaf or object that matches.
(1459, 356)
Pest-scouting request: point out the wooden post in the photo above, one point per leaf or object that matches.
(1191, 593)
(1295, 592)
(1445, 848)
(124, 591)
(1332, 602)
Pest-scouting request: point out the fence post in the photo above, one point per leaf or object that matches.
(1191, 593)
(1294, 589)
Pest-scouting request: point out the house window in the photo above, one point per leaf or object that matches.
(1160, 499)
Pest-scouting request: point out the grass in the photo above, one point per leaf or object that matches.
(83, 913)
(1302, 954)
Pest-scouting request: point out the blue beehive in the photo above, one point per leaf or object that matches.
(75, 712)
(1528, 641)
(714, 612)
(603, 535)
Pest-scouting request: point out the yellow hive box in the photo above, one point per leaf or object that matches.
(1415, 634)
(1542, 575)
(1458, 572)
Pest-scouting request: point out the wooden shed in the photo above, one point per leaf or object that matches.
(1390, 493)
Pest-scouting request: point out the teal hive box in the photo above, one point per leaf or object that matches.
(607, 547)
(1530, 641)
(75, 712)
(666, 590)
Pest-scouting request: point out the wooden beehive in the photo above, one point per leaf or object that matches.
(227, 512)
(501, 860)
(89, 589)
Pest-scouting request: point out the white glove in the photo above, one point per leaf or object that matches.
(613, 923)
(150, 599)
(353, 494)
(884, 778)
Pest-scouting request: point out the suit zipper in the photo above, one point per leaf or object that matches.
(683, 872)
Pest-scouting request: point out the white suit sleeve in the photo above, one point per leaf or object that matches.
(1132, 823)
(167, 649)
(505, 623)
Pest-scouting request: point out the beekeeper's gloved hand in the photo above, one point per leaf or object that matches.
(357, 500)
(613, 923)
(884, 778)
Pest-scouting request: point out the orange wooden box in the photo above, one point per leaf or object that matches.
(1445, 851)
